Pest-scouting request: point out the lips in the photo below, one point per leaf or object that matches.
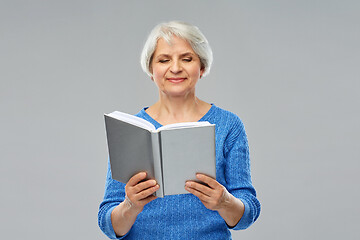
(176, 80)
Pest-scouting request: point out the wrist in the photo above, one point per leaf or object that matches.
(231, 210)
(129, 209)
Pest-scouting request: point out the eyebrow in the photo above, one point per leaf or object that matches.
(181, 55)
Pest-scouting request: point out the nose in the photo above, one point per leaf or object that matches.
(175, 67)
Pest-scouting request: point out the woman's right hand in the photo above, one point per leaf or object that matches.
(139, 192)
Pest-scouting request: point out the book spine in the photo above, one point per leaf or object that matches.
(158, 172)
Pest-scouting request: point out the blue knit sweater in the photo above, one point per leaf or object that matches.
(184, 216)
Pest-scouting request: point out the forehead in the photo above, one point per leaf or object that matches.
(176, 45)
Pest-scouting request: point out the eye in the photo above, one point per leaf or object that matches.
(163, 60)
(187, 59)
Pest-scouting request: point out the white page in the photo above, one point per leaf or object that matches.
(139, 122)
(183, 125)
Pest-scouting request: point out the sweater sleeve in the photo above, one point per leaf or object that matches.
(114, 195)
(237, 174)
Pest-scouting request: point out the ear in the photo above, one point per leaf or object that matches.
(202, 72)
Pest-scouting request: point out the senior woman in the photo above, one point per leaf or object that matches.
(175, 56)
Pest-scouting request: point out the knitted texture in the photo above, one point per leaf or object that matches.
(184, 216)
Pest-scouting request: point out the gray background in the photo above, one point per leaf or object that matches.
(289, 69)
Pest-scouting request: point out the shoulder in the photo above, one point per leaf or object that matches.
(230, 129)
(227, 120)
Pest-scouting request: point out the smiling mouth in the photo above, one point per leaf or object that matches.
(176, 80)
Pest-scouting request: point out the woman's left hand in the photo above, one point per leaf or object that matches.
(214, 196)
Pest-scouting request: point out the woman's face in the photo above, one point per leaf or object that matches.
(176, 68)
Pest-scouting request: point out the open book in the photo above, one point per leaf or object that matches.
(171, 154)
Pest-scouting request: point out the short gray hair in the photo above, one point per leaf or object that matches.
(186, 31)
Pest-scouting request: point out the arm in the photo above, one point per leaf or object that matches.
(238, 174)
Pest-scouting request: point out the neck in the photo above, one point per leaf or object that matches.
(178, 109)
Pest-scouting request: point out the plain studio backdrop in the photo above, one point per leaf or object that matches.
(289, 69)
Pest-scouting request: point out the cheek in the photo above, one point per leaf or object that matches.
(156, 75)
(159, 71)
(196, 71)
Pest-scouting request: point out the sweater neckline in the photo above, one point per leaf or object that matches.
(157, 124)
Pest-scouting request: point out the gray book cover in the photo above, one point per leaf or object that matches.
(170, 156)
(185, 152)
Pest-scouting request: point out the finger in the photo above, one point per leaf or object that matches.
(200, 188)
(149, 199)
(208, 180)
(144, 185)
(200, 195)
(136, 178)
(146, 193)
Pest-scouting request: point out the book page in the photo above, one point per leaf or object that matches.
(183, 125)
(134, 120)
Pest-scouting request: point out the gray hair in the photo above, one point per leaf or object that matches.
(186, 31)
